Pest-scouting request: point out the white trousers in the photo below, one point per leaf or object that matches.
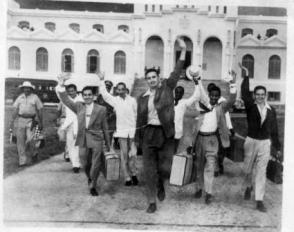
(73, 151)
(257, 155)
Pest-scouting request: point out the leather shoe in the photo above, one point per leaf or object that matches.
(128, 183)
(151, 208)
(67, 159)
(94, 192)
(247, 194)
(198, 194)
(89, 181)
(208, 198)
(135, 180)
(260, 206)
(76, 170)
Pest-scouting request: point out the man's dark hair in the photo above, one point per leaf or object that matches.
(258, 88)
(121, 83)
(71, 86)
(108, 83)
(151, 70)
(210, 85)
(215, 88)
(87, 88)
(181, 88)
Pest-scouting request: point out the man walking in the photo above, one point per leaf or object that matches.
(70, 125)
(262, 129)
(156, 130)
(125, 108)
(28, 111)
(211, 124)
(92, 131)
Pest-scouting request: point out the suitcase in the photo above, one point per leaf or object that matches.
(111, 166)
(274, 171)
(181, 171)
(236, 149)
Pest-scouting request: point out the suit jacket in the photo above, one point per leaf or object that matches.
(221, 109)
(164, 105)
(97, 129)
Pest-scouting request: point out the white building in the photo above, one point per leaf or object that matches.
(44, 40)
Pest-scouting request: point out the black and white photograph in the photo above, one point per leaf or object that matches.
(146, 115)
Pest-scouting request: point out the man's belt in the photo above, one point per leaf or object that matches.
(155, 126)
(26, 116)
(207, 133)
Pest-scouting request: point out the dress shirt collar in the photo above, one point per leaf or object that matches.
(148, 93)
(266, 105)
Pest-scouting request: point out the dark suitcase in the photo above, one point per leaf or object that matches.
(236, 149)
(274, 171)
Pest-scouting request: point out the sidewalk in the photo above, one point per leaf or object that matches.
(49, 194)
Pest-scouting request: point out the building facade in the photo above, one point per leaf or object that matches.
(123, 39)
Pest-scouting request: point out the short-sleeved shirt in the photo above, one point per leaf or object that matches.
(28, 104)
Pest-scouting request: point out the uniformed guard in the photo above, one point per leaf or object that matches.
(28, 112)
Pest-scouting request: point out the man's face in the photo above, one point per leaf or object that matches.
(108, 86)
(88, 96)
(259, 96)
(178, 93)
(71, 92)
(27, 90)
(214, 96)
(121, 91)
(152, 79)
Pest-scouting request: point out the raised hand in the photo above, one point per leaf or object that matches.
(101, 75)
(244, 68)
(181, 43)
(63, 77)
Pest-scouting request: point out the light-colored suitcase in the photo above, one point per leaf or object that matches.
(181, 170)
(112, 166)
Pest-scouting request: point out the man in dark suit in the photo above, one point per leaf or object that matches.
(92, 132)
(156, 129)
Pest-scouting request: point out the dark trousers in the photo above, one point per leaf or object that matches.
(177, 142)
(157, 159)
(91, 160)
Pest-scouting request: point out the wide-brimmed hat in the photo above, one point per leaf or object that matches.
(193, 71)
(27, 84)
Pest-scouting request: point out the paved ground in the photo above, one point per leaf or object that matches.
(49, 194)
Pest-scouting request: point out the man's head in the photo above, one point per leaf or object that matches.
(88, 95)
(179, 92)
(152, 78)
(259, 94)
(214, 94)
(108, 85)
(210, 86)
(71, 90)
(121, 89)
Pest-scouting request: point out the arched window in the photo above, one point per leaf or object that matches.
(50, 26)
(274, 67)
(14, 58)
(42, 59)
(153, 8)
(25, 25)
(124, 28)
(271, 32)
(75, 27)
(67, 60)
(146, 7)
(93, 61)
(248, 62)
(120, 62)
(246, 31)
(99, 27)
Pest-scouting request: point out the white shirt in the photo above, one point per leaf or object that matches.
(126, 112)
(180, 110)
(209, 123)
(89, 109)
(71, 118)
(152, 112)
(263, 111)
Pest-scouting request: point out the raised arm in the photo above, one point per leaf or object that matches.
(175, 75)
(102, 89)
(245, 89)
(226, 105)
(195, 96)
